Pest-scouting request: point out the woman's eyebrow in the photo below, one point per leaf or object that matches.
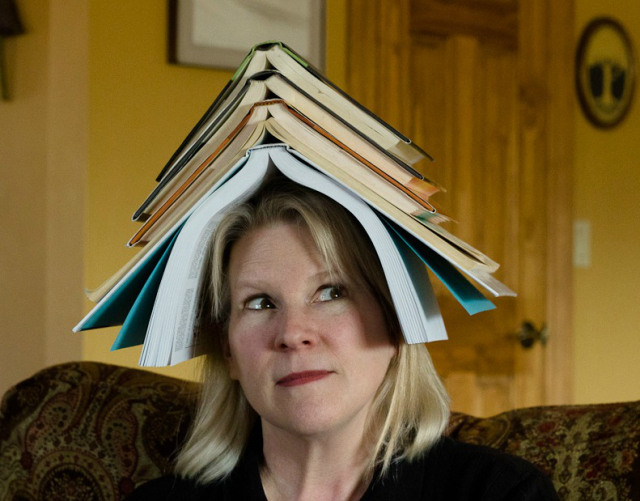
(255, 284)
(248, 280)
(323, 276)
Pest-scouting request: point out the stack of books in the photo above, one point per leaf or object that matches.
(278, 114)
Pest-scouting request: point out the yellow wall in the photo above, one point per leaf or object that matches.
(607, 193)
(23, 256)
(140, 110)
(43, 132)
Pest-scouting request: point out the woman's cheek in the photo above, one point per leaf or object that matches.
(250, 327)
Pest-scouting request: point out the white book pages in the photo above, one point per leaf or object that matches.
(170, 336)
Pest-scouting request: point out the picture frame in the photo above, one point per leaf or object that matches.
(605, 72)
(219, 33)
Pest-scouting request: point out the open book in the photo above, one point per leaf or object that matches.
(158, 300)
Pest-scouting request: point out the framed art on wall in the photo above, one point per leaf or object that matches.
(605, 72)
(219, 33)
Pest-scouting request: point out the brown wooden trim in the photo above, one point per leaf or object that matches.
(547, 148)
(533, 168)
(560, 109)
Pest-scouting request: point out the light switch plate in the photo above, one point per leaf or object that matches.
(581, 243)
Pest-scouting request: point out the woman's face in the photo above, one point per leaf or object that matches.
(309, 353)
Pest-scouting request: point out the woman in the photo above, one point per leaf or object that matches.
(309, 391)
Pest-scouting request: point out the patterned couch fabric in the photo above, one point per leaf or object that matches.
(591, 452)
(90, 431)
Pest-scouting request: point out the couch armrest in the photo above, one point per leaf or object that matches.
(86, 430)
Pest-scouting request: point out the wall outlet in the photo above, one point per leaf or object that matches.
(582, 243)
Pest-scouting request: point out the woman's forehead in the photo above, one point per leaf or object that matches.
(275, 241)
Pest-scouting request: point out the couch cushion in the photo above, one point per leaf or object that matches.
(589, 451)
(89, 431)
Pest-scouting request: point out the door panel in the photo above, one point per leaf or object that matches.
(454, 76)
(466, 116)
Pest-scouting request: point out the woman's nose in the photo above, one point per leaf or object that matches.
(296, 330)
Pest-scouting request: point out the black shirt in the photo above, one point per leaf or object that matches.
(449, 471)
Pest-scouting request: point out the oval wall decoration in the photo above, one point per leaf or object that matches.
(605, 72)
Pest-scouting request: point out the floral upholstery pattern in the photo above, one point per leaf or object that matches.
(92, 431)
(89, 431)
(591, 452)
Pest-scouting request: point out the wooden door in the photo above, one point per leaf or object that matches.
(486, 88)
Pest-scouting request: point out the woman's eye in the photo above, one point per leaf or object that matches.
(259, 303)
(330, 292)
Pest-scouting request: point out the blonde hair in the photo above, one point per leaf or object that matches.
(411, 408)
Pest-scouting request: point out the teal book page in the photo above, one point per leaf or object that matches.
(135, 325)
(471, 299)
(115, 307)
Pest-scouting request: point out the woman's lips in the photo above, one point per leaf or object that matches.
(298, 378)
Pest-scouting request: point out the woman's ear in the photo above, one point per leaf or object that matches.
(217, 341)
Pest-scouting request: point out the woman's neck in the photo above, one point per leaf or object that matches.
(314, 468)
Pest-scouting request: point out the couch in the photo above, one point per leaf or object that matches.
(92, 431)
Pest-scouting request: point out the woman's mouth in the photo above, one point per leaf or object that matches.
(299, 378)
